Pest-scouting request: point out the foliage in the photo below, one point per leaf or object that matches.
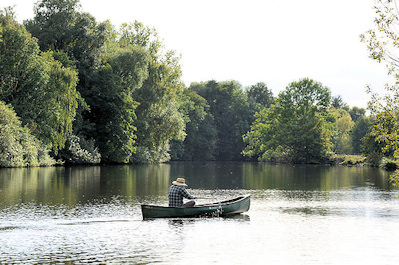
(260, 95)
(357, 113)
(338, 103)
(349, 160)
(382, 42)
(60, 26)
(296, 128)
(359, 131)
(80, 151)
(158, 117)
(384, 132)
(88, 92)
(42, 91)
(77, 41)
(341, 137)
(130, 84)
(232, 115)
(18, 147)
(200, 143)
(112, 108)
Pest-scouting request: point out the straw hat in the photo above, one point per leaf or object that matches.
(179, 182)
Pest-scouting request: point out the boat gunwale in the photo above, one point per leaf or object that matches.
(214, 204)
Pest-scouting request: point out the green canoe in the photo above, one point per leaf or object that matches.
(234, 206)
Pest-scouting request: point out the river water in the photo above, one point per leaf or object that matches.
(298, 215)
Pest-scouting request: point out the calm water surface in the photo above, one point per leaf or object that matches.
(298, 215)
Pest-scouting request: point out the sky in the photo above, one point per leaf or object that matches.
(272, 41)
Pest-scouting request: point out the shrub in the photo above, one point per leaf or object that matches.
(18, 147)
(80, 151)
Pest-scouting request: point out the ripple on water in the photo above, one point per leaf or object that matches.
(314, 225)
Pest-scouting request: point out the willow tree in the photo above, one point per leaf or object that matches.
(18, 147)
(382, 42)
(77, 41)
(62, 26)
(112, 106)
(159, 120)
(41, 90)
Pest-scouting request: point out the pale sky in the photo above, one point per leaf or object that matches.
(270, 41)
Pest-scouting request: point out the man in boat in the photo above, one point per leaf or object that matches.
(176, 193)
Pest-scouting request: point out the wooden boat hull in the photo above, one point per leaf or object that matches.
(234, 206)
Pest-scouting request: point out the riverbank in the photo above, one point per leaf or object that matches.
(349, 160)
(358, 160)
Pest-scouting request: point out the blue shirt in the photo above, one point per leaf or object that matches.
(176, 194)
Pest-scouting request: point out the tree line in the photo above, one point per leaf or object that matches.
(74, 90)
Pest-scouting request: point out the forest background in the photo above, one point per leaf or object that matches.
(75, 90)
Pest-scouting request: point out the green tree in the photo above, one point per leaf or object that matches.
(159, 120)
(112, 107)
(42, 91)
(296, 128)
(59, 25)
(232, 115)
(357, 113)
(379, 142)
(18, 147)
(338, 103)
(78, 42)
(359, 131)
(341, 136)
(91, 47)
(260, 94)
(383, 45)
(200, 142)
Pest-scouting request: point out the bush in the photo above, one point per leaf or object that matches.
(349, 160)
(144, 155)
(80, 151)
(18, 147)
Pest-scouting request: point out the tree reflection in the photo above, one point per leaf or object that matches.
(307, 177)
(78, 185)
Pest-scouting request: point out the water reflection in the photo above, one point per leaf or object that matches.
(73, 185)
(79, 185)
(209, 175)
(290, 177)
(92, 215)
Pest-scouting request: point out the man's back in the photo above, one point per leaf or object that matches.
(176, 194)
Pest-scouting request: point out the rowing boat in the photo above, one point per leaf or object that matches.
(229, 207)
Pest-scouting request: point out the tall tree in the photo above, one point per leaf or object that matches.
(59, 25)
(201, 139)
(112, 107)
(232, 115)
(260, 94)
(341, 135)
(158, 117)
(77, 41)
(338, 103)
(357, 113)
(42, 91)
(296, 128)
(360, 129)
(382, 42)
